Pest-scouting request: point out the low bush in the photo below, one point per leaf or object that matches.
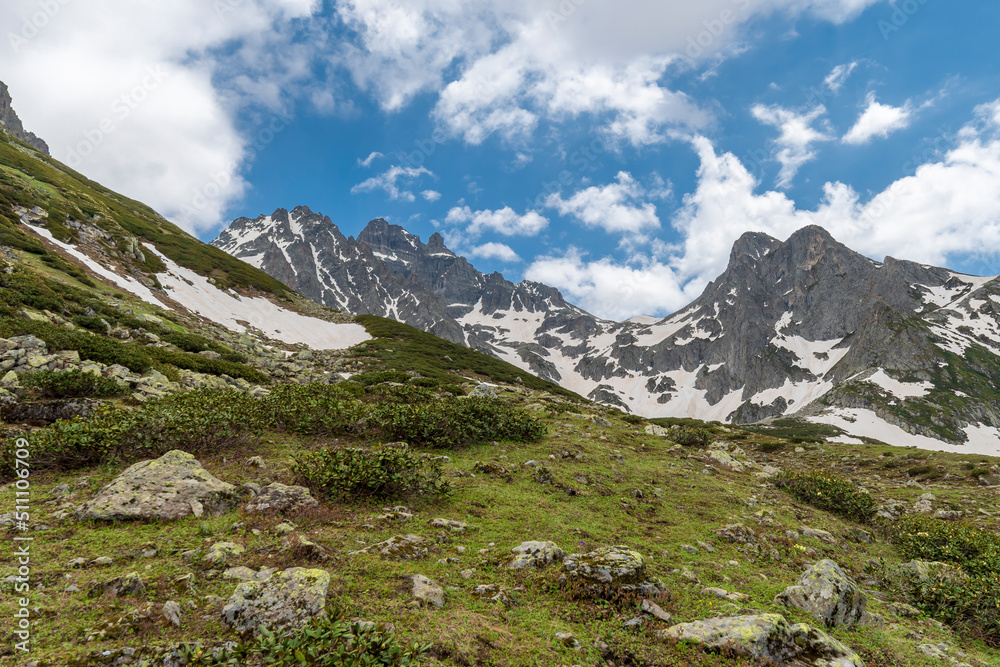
(378, 377)
(386, 471)
(73, 384)
(829, 492)
(691, 436)
(975, 550)
(326, 641)
(916, 471)
(772, 446)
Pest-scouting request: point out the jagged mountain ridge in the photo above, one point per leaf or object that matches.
(10, 121)
(803, 327)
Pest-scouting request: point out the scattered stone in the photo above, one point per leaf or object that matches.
(949, 515)
(242, 573)
(825, 592)
(130, 584)
(568, 640)
(256, 462)
(427, 592)
(821, 535)
(536, 554)
(277, 497)
(456, 526)
(726, 459)
(654, 610)
(483, 391)
(284, 528)
(769, 637)
(286, 598)
(706, 546)
(220, 552)
(102, 560)
(399, 547)
(737, 533)
(688, 548)
(493, 592)
(172, 612)
(170, 487)
(942, 652)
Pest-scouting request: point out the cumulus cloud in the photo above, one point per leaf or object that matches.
(878, 120)
(494, 250)
(503, 221)
(367, 162)
(795, 143)
(953, 201)
(389, 182)
(839, 75)
(615, 207)
(137, 96)
(431, 195)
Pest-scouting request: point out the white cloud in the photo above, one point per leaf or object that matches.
(615, 207)
(494, 251)
(795, 143)
(953, 202)
(839, 75)
(431, 195)
(83, 84)
(504, 221)
(367, 162)
(389, 182)
(878, 120)
(607, 289)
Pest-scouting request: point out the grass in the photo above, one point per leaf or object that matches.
(679, 504)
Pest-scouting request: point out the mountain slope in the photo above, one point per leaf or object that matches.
(804, 327)
(12, 124)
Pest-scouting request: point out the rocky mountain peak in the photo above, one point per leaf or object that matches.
(10, 122)
(752, 245)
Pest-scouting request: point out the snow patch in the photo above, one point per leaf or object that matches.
(897, 388)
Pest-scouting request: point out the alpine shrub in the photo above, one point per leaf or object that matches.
(73, 384)
(829, 492)
(386, 471)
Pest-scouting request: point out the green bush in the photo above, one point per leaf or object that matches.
(916, 471)
(378, 377)
(975, 550)
(326, 641)
(829, 492)
(771, 447)
(95, 348)
(386, 471)
(688, 436)
(73, 384)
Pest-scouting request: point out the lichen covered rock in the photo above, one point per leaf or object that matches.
(825, 592)
(536, 554)
(287, 598)
(276, 497)
(617, 567)
(170, 487)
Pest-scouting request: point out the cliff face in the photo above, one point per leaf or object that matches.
(10, 122)
(803, 327)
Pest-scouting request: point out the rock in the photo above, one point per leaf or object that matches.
(568, 640)
(825, 592)
(170, 487)
(689, 548)
(456, 526)
(102, 560)
(654, 610)
(303, 548)
(47, 412)
(941, 652)
(726, 459)
(276, 497)
(130, 584)
(923, 570)
(769, 637)
(653, 429)
(220, 552)
(493, 592)
(821, 535)
(256, 462)
(483, 391)
(427, 592)
(399, 547)
(985, 480)
(242, 573)
(618, 567)
(172, 612)
(288, 598)
(737, 533)
(536, 554)
(949, 515)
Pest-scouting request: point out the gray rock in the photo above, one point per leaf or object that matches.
(617, 567)
(654, 610)
(825, 592)
(221, 552)
(737, 533)
(427, 592)
(769, 637)
(276, 497)
(288, 598)
(399, 547)
(448, 524)
(170, 487)
(172, 612)
(483, 391)
(130, 584)
(536, 554)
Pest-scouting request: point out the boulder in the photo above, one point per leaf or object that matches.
(825, 592)
(536, 554)
(618, 567)
(768, 637)
(170, 487)
(277, 497)
(737, 533)
(427, 591)
(222, 552)
(288, 598)
(483, 391)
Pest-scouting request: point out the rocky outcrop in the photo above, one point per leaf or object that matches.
(288, 598)
(170, 487)
(825, 592)
(617, 568)
(10, 122)
(536, 554)
(278, 497)
(768, 637)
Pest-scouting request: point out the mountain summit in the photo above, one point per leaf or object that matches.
(10, 122)
(803, 327)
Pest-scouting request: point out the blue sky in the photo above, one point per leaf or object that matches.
(612, 149)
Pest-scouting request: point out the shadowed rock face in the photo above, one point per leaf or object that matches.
(11, 123)
(793, 327)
